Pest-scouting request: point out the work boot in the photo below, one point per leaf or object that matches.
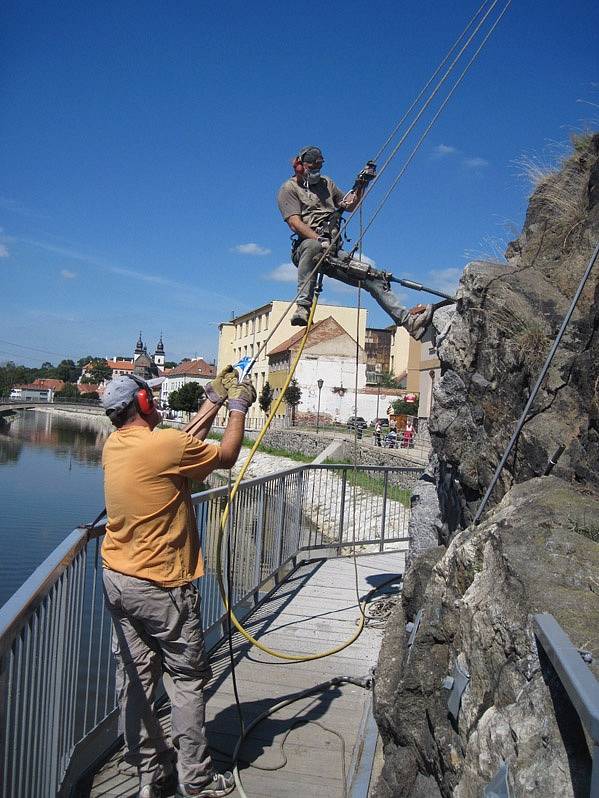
(300, 317)
(219, 785)
(418, 321)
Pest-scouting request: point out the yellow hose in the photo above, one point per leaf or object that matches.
(225, 515)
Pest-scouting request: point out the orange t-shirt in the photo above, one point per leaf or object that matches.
(151, 531)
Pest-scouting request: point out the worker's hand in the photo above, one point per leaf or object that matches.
(242, 396)
(217, 389)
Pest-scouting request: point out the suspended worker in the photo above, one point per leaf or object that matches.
(151, 556)
(312, 205)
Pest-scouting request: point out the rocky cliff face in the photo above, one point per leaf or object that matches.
(537, 547)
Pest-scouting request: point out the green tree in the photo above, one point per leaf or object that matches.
(187, 398)
(83, 361)
(402, 408)
(388, 380)
(170, 364)
(11, 375)
(266, 397)
(98, 371)
(293, 396)
(46, 370)
(67, 371)
(69, 392)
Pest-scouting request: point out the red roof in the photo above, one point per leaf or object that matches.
(55, 385)
(121, 365)
(193, 368)
(83, 387)
(32, 387)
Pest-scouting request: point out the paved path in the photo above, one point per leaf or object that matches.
(314, 609)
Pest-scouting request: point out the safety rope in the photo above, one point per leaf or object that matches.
(279, 399)
(417, 99)
(437, 114)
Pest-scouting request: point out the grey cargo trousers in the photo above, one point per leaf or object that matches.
(159, 630)
(305, 258)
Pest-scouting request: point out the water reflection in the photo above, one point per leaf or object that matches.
(10, 449)
(78, 437)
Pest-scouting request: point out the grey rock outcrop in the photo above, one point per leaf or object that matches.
(537, 548)
(477, 600)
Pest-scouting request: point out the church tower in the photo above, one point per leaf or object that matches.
(159, 353)
(139, 348)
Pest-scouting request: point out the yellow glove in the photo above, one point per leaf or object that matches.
(242, 395)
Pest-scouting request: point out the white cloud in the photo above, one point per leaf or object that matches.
(445, 280)
(443, 150)
(475, 163)
(67, 274)
(250, 249)
(285, 273)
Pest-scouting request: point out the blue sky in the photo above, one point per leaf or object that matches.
(142, 145)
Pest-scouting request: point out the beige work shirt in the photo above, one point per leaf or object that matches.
(313, 205)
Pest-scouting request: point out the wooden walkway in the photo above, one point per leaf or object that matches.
(313, 610)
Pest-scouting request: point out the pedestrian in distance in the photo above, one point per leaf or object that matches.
(312, 204)
(151, 557)
(377, 433)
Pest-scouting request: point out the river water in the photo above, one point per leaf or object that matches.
(50, 482)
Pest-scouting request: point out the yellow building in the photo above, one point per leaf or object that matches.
(246, 334)
(405, 358)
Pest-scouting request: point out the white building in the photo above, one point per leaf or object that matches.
(330, 355)
(32, 393)
(247, 334)
(196, 370)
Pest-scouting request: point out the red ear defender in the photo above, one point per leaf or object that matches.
(298, 166)
(144, 401)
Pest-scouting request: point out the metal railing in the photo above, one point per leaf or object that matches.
(57, 693)
(578, 681)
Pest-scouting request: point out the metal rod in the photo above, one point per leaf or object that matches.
(419, 287)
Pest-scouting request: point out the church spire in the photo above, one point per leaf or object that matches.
(139, 346)
(159, 353)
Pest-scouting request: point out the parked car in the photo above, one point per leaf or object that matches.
(384, 422)
(356, 422)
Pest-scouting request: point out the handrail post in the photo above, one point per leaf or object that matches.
(342, 509)
(280, 525)
(299, 504)
(260, 531)
(384, 513)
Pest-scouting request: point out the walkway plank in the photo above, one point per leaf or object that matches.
(315, 609)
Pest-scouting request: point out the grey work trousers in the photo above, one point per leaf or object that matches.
(306, 257)
(159, 630)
